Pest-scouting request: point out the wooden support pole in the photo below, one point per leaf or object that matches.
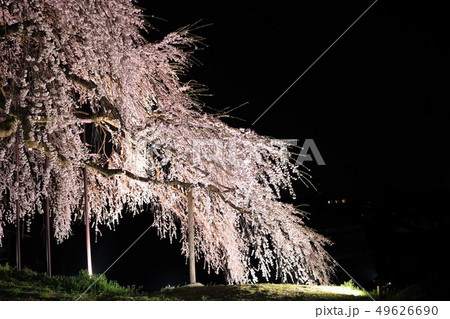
(18, 224)
(86, 213)
(192, 277)
(47, 226)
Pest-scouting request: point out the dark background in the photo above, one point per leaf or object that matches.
(375, 105)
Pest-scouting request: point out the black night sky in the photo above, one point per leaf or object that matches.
(375, 105)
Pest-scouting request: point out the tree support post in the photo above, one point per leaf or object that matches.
(47, 226)
(192, 276)
(86, 213)
(18, 225)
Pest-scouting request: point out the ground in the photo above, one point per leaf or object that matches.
(263, 292)
(29, 285)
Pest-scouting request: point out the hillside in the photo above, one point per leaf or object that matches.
(29, 285)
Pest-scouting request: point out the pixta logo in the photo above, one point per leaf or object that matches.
(308, 150)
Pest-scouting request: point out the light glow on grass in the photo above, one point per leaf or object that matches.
(341, 290)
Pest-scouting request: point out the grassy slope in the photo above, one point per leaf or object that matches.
(263, 292)
(29, 285)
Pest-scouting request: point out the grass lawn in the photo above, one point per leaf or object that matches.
(29, 285)
(263, 292)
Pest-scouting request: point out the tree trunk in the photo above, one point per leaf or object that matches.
(192, 276)
(86, 214)
(18, 225)
(47, 226)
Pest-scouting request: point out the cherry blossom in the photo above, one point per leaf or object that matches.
(69, 63)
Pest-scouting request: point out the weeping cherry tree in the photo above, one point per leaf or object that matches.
(69, 63)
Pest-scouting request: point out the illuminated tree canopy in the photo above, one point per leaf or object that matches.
(68, 63)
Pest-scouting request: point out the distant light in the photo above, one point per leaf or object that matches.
(343, 201)
(329, 202)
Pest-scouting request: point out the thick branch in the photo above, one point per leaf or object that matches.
(75, 78)
(107, 172)
(86, 118)
(8, 30)
(23, 116)
(214, 189)
(7, 127)
(90, 85)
